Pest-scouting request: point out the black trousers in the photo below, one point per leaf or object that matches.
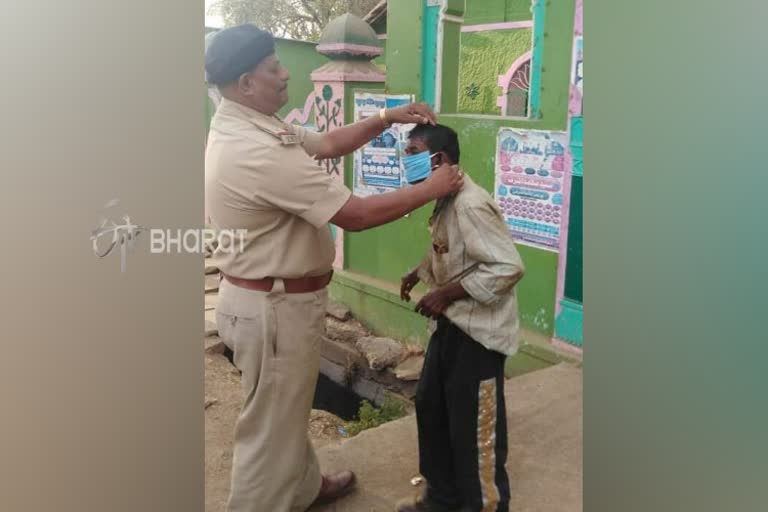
(462, 423)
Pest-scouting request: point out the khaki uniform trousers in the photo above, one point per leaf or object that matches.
(275, 337)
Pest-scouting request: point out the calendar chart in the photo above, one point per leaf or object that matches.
(530, 174)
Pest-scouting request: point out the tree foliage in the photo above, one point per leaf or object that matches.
(293, 19)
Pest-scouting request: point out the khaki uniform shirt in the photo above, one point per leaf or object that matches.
(276, 191)
(472, 244)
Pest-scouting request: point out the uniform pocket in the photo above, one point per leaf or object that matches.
(300, 325)
(225, 324)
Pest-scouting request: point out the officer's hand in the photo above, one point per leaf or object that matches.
(418, 113)
(445, 180)
(407, 283)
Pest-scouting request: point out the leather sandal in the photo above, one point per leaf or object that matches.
(335, 486)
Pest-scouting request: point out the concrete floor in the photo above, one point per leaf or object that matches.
(544, 415)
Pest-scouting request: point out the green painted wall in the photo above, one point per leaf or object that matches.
(483, 57)
(379, 257)
(450, 88)
(381, 60)
(301, 59)
(536, 292)
(573, 275)
(456, 7)
(378, 306)
(569, 324)
(388, 252)
(556, 72)
(404, 47)
(478, 142)
(574, 265)
(495, 11)
(517, 10)
(429, 53)
(537, 65)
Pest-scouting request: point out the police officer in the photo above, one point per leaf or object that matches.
(262, 176)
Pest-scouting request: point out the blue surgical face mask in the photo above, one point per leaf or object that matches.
(418, 167)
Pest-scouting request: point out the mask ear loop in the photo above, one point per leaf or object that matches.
(433, 167)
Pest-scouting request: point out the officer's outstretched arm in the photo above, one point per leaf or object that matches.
(346, 139)
(361, 213)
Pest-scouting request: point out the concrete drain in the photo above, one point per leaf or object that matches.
(336, 399)
(330, 396)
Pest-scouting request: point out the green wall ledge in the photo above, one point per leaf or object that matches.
(377, 305)
(569, 324)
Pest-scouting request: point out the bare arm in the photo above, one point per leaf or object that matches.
(347, 139)
(359, 214)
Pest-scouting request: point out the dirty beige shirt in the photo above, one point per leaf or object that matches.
(275, 191)
(472, 244)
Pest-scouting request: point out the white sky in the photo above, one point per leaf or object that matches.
(212, 21)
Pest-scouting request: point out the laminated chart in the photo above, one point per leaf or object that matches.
(377, 166)
(530, 174)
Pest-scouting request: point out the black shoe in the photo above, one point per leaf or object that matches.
(423, 505)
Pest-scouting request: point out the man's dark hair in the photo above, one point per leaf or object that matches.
(438, 138)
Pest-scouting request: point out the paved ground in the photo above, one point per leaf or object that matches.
(223, 396)
(222, 384)
(544, 412)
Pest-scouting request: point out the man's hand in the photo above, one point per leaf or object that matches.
(407, 283)
(435, 303)
(444, 181)
(418, 113)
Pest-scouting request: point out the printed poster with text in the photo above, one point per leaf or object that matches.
(530, 174)
(377, 166)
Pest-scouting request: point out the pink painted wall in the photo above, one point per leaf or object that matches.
(574, 109)
(329, 115)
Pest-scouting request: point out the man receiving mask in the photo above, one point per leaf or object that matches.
(471, 269)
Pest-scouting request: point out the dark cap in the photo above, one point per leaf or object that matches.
(235, 51)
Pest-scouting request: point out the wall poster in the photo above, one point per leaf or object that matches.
(530, 174)
(377, 168)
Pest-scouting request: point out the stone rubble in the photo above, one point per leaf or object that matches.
(372, 366)
(380, 352)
